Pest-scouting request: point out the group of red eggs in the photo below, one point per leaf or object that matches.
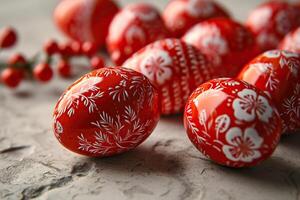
(173, 63)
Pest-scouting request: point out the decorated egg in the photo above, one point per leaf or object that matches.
(181, 15)
(271, 21)
(106, 112)
(291, 41)
(175, 68)
(277, 73)
(232, 123)
(85, 20)
(226, 43)
(135, 26)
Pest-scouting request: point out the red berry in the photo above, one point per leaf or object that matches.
(106, 112)
(175, 68)
(232, 122)
(97, 62)
(181, 15)
(89, 49)
(227, 44)
(132, 28)
(64, 68)
(271, 21)
(12, 77)
(51, 47)
(8, 37)
(76, 48)
(17, 60)
(43, 72)
(66, 49)
(84, 20)
(278, 74)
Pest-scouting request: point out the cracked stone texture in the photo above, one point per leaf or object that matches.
(34, 165)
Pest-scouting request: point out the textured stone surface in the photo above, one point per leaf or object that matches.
(167, 166)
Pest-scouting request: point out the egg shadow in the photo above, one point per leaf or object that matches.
(173, 119)
(291, 141)
(273, 173)
(142, 160)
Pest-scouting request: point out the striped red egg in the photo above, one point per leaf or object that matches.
(174, 68)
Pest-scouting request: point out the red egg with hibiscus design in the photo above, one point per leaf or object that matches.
(135, 26)
(291, 41)
(106, 112)
(181, 15)
(85, 20)
(271, 21)
(277, 73)
(226, 43)
(175, 68)
(232, 122)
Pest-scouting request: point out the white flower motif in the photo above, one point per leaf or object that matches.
(157, 66)
(200, 8)
(210, 39)
(134, 33)
(248, 105)
(260, 17)
(242, 146)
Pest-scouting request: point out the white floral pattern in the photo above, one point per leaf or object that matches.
(135, 34)
(110, 136)
(259, 18)
(272, 82)
(156, 65)
(250, 105)
(71, 99)
(287, 59)
(210, 39)
(242, 146)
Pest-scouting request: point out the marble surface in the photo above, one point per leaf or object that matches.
(166, 166)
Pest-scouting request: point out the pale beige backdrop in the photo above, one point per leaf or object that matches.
(166, 166)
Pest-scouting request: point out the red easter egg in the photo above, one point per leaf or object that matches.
(85, 20)
(291, 41)
(181, 15)
(277, 73)
(227, 44)
(106, 112)
(232, 122)
(135, 26)
(271, 21)
(175, 68)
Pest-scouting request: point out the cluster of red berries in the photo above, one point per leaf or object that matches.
(18, 67)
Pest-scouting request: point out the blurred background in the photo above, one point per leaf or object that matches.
(33, 18)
